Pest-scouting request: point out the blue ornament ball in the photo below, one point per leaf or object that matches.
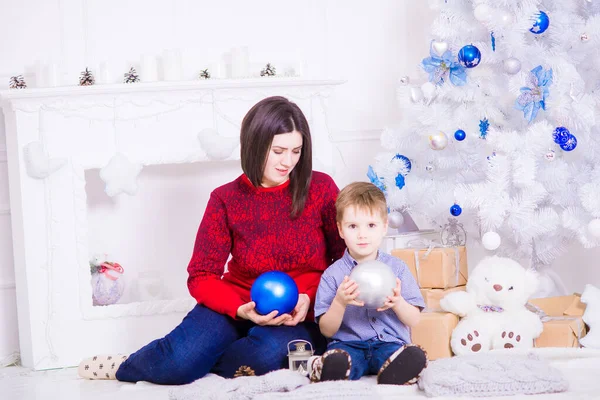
(400, 181)
(407, 163)
(460, 135)
(570, 144)
(455, 210)
(274, 290)
(561, 135)
(469, 56)
(541, 23)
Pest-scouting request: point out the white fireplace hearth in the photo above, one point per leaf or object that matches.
(56, 136)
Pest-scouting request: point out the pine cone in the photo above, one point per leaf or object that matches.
(87, 78)
(268, 70)
(204, 74)
(17, 82)
(131, 76)
(244, 371)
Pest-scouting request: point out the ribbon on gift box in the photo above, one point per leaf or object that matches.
(547, 318)
(430, 245)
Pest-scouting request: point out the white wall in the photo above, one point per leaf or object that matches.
(370, 46)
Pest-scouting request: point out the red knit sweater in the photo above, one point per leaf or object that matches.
(253, 225)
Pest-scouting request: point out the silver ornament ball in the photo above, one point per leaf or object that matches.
(512, 65)
(491, 240)
(395, 219)
(439, 141)
(375, 280)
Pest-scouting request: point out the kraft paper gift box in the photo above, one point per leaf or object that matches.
(433, 333)
(437, 267)
(432, 297)
(562, 319)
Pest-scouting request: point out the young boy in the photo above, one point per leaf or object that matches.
(365, 341)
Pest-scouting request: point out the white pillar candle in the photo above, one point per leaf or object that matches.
(53, 79)
(172, 68)
(239, 62)
(149, 68)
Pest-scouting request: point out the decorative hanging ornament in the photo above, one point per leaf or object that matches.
(483, 13)
(504, 17)
(395, 219)
(594, 227)
(460, 135)
(560, 135)
(405, 80)
(570, 144)
(550, 155)
(405, 164)
(469, 56)
(453, 233)
(456, 210)
(439, 47)
(540, 24)
(511, 65)
(491, 240)
(439, 141)
(584, 37)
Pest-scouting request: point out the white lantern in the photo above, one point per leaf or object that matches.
(298, 358)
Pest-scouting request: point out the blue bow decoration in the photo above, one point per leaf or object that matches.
(440, 68)
(533, 97)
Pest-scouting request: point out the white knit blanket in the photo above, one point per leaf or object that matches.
(579, 366)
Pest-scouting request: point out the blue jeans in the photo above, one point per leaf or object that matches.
(207, 341)
(367, 356)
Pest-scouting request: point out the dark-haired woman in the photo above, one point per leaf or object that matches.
(278, 215)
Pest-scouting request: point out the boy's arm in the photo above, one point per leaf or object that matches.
(407, 313)
(330, 322)
(409, 306)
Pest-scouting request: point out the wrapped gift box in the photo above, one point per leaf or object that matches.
(562, 319)
(436, 268)
(432, 297)
(433, 333)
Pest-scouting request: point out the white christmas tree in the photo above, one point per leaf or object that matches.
(503, 134)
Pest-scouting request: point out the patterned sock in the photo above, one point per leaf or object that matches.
(403, 367)
(334, 365)
(101, 367)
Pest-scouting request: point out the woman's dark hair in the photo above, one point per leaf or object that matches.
(267, 118)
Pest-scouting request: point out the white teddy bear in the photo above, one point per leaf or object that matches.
(493, 308)
(591, 298)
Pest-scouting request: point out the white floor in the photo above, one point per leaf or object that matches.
(581, 368)
(17, 383)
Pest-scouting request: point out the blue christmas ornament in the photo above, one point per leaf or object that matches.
(469, 56)
(455, 210)
(541, 23)
(561, 135)
(400, 181)
(570, 144)
(407, 163)
(533, 97)
(460, 135)
(274, 290)
(443, 68)
(375, 180)
(484, 125)
(493, 39)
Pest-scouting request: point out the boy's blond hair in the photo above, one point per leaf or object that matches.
(363, 196)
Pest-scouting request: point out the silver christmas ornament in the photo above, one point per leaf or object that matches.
(395, 219)
(584, 37)
(405, 80)
(439, 141)
(453, 233)
(491, 240)
(512, 65)
(416, 94)
(375, 280)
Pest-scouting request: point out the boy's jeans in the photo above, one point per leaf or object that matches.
(207, 341)
(367, 356)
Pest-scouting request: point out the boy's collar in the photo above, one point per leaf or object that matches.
(353, 262)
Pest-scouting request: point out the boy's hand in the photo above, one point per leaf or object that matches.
(393, 300)
(347, 293)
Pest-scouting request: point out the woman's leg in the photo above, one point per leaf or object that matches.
(185, 354)
(265, 348)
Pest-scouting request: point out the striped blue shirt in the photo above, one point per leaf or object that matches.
(360, 323)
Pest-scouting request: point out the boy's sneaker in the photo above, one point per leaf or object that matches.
(403, 367)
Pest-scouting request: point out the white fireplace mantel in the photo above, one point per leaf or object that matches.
(74, 129)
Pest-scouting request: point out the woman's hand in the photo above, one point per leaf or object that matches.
(248, 311)
(300, 311)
